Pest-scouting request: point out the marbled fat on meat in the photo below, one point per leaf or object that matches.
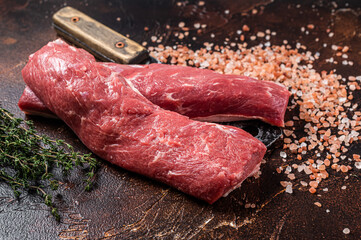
(205, 160)
(197, 93)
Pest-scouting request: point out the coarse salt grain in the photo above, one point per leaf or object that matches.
(291, 176)
(289, 189)
(153, 38)
(303, 183)
(313, 184)
(307, 170)
(358, 165)
(312, 190)
(261, 34)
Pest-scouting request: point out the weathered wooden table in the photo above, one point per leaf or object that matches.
(128, 206)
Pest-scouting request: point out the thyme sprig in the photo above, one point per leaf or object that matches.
(27, 159)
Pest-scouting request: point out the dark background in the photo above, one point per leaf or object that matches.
(124, 205)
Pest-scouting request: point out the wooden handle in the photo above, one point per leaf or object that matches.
(105, 43)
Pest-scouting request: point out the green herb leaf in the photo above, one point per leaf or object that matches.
(27, 159)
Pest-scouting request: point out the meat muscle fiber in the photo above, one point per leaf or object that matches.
(197, 93)
(118, 124)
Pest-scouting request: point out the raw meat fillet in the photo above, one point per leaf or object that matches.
(30, 104)
(197, 93)
(206, 95)
(117, 123)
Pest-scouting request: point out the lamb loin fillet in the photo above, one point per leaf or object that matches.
(117, 123)
(30, 104)
(206, 95)
(197, 93)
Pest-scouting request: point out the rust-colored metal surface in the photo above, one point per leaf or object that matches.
(124, 205)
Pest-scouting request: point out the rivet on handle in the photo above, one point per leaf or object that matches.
(75, 19)
(119, 45)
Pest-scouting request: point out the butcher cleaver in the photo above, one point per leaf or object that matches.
(98, 39)
(109, 45)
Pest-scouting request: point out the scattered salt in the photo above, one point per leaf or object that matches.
(358, 165)
(324, 99)
(153, 38)
(181, 24)
(289, 189)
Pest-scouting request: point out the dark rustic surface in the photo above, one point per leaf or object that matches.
(128, 206)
